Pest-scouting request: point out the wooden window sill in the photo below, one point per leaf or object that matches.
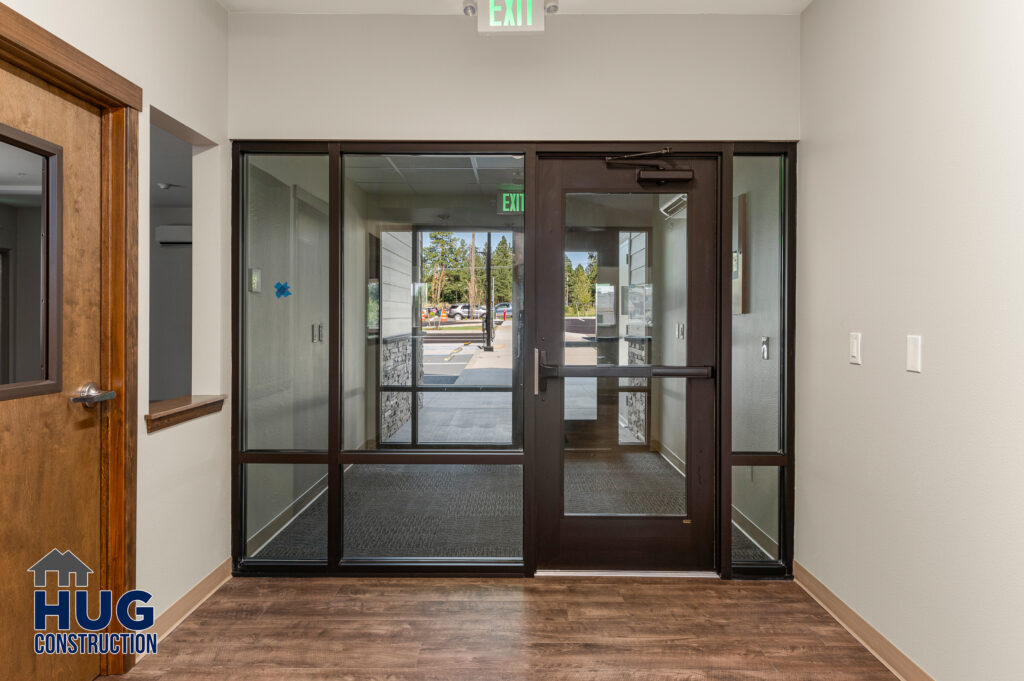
(167, 413)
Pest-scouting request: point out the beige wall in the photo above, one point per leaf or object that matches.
(909, 485)
(177, 52)
(434, 77)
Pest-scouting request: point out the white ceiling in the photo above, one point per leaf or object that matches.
(454, 7)
(434, 175)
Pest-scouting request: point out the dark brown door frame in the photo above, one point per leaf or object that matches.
(630, 542)
(721, 150)
(39, 53)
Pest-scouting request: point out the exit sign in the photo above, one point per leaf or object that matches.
(511, 202)
(510, 16)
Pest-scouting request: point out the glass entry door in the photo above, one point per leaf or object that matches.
(624, 363)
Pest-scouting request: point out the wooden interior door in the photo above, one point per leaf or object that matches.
(50, 448)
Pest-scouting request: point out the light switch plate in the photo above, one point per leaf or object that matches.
(914, 354)
(855, 356)
(255, 280)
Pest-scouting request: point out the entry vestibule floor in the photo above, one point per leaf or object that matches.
(598, 629)
(475, 511)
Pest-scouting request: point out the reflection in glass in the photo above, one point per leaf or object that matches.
(441, 254)
(433, 511)
(22, 272)
(286, 255)
(757, 307)
(286, 511)
(755, 513)
(625, 305)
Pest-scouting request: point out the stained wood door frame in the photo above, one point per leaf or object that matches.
(41, 54)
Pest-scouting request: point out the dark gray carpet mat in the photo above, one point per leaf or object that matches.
(629, 483)
(475, 511)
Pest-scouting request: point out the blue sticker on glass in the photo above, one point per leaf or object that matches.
(282, 290)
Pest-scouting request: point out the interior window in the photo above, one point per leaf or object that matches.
(23, 256)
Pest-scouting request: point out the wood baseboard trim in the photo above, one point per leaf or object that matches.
(878, 645)
(169, 620)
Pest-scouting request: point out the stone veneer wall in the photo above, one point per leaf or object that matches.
(396, 369)
(636, 403)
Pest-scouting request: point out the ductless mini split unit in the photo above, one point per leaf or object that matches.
(174, 235)
(673, 205)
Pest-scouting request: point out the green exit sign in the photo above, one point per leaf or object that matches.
(511, 202)
(511, 16)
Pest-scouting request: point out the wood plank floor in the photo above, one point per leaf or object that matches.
(562, 629)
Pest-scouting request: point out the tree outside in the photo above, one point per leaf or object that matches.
(454, 266)
(580, 286)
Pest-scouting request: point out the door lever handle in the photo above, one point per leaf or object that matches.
(90, 393)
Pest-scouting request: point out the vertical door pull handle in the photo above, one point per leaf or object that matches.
(536, 371)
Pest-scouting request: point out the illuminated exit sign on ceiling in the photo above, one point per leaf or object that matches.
(511, 202)
(510, 16)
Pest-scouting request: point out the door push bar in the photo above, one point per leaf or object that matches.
(542, 371)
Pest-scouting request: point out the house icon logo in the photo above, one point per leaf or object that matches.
(64, 564)
(128, 615)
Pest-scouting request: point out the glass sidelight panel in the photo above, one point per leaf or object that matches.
(433, 511)
(433, 262)
(625, 292)
(757, 304)
(286, 299)
(286, 511)
(755, 513)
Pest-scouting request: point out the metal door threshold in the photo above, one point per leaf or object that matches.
(628, 573)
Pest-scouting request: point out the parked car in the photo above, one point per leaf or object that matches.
(501, 310)
(461, 311)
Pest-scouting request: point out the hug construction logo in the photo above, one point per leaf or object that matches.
(91, 639)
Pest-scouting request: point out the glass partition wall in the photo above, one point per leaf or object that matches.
(762, 254)
(385, 376)
(428, 257)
